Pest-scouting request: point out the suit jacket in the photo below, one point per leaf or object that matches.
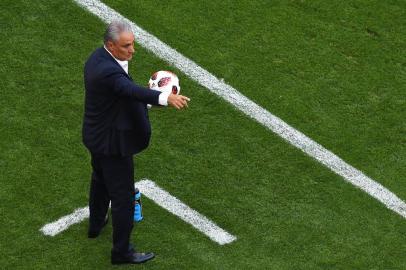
(115, 118)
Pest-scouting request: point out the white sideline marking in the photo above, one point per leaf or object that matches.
(163, 199)
(52, 229)
(242, 103)
(178, 208)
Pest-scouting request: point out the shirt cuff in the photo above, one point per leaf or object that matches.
(163, 98)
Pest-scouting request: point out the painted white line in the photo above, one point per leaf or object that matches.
(242, 103)
(178, 208)
(163, 199)
(52, 229)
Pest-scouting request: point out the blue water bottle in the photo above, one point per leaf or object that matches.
(137, 206)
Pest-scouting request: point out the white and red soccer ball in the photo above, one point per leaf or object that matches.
(164, 81)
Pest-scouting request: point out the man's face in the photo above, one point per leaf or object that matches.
(123, 48)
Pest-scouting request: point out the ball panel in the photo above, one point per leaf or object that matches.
(174, 89)
(164, 81)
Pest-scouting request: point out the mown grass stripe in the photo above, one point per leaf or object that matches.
(242, 103)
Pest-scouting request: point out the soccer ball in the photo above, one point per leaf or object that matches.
(164, 81)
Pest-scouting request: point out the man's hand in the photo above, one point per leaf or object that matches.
(178, 101)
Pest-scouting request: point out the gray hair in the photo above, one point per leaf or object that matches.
(114, 29)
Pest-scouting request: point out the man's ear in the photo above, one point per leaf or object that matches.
(110, 45)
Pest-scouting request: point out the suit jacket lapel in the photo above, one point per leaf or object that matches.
(111, 58)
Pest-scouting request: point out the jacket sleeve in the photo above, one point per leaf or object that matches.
(122, 86)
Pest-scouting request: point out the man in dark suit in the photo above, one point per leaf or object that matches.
(115, 127)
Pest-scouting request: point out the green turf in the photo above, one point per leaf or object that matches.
(337, 72)
(287, 210)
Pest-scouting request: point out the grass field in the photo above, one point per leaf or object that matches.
(335, 71)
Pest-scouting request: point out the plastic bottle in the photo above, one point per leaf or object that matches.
(137, 206)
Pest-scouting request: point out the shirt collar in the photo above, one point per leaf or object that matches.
(123, 64)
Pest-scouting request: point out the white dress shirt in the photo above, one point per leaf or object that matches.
(163, 97)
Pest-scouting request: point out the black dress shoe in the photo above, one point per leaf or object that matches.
(92, 233)
(131, 258)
